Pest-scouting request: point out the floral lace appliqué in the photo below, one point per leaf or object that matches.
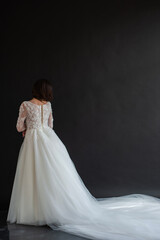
(30, 116)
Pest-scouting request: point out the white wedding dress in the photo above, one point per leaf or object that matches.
(47, 189)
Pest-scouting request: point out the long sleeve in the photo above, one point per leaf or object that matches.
(21, 126)
(50, 119)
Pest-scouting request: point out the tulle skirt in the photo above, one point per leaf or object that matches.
(48, 190)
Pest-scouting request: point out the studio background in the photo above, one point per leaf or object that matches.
(104, 64)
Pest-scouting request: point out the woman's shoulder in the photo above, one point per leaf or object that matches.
(23, 103)
(27, 102)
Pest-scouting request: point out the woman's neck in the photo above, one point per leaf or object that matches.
(37, 100)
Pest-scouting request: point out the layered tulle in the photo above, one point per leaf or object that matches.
(48, 190)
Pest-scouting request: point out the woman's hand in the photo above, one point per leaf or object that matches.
(23, 133)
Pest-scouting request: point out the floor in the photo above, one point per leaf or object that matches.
(26, 232)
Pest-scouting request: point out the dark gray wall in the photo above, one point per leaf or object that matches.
(104, 63)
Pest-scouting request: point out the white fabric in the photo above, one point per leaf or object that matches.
(48, 190)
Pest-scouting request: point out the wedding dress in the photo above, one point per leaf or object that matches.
(47, 189)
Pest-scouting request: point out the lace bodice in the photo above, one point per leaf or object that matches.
(32, 116)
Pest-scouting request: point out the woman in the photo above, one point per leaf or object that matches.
(47, 189)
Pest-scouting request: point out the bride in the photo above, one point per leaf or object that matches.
(47, 189)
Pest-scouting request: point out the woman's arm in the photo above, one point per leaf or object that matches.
(21, 125)
(50, 119)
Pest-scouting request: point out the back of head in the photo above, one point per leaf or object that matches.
(42, 90)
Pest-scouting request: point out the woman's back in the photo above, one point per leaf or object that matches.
(32, 115)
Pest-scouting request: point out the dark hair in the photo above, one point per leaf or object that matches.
(42, 90)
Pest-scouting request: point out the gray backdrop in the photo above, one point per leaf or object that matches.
(104, 63)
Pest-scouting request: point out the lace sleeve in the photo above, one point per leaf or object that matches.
(50, 119)
(21, 125)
